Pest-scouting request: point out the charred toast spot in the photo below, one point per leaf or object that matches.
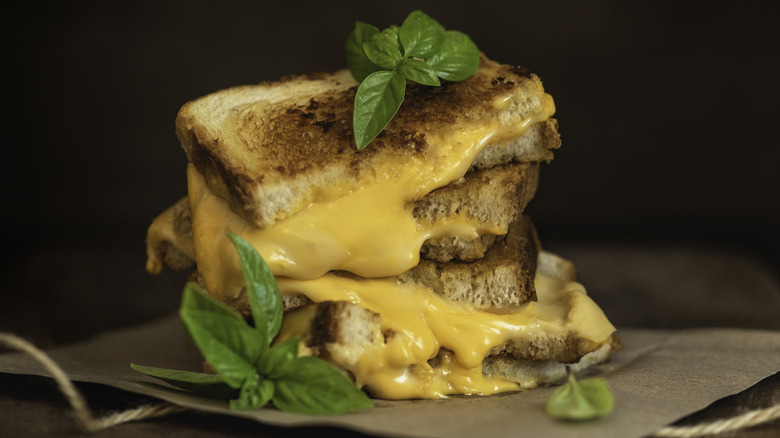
(413, 140)
(519, 71)
(313, 105)
(325, 125)
(299, 137)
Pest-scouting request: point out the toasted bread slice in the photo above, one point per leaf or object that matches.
(491, 198)
(530, 368)
(341, 332)
(169, 240)
(500, 281)
(272, 148)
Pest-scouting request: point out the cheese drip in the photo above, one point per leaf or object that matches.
(162, 230)
(369, 231)
(421, 323)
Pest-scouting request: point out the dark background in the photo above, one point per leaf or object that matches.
(665, 193)
(668, 114)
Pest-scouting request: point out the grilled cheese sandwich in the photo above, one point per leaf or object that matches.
(274, 164)
(418, 326)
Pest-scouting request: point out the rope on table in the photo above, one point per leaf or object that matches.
(83, 415)
(90, 424)
(748, 419)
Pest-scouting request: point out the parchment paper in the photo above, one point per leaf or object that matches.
(658, 377)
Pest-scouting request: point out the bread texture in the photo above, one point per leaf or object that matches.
(270, 149)
(491, 198)
(340, 332)
(169, 240)
(529, 373)
(500, 281)
(462, 160)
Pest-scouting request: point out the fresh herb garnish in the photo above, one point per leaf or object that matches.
(251, 371)
(421, 50)
(580, 399)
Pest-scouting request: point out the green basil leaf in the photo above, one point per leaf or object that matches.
(201, 383)
(314, 387)
(221, 334)
(421, 36)
(255, 393)
(376, 102)
(357, 61)
(384, 49)
(457, 59)
(277, 361)
(265, 300)
(418, 71)
(197, 299)
(580, 400)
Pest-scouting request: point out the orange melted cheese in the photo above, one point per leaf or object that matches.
(160, 231)
(421, 323)
(369, 231)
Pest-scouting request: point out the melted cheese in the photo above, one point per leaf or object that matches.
(369, 231)
(421, 323)
(162, 230)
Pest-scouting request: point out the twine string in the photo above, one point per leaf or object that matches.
(743, 421)
(86, 421)
(89, 423)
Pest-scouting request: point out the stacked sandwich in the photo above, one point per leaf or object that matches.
(409, 264)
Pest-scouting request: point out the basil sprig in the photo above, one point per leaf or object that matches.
(580, 399)
(250, 371)
(421, 50)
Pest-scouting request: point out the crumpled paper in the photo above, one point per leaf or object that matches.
(658, 377)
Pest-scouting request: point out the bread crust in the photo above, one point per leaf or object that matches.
(500, 281)
(168, 240)
(267, 148)
(493, 198)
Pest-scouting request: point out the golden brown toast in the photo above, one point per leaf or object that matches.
(272, 148)
(502, 280)
(169, 240)
(492, 198)
(342, 332)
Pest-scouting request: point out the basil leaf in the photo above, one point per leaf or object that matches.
(384, 49)
(278, 360)
(314, 387)
(255, 393)
(357, 61)
(201, 383)
(580, 400)
(221, 335)
(377, 100)
(197, 299)
(450, 54)
(457, 59)
(265, 300)
(421, 36)
(418, 71)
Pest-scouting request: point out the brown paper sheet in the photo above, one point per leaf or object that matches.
(658, 377)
